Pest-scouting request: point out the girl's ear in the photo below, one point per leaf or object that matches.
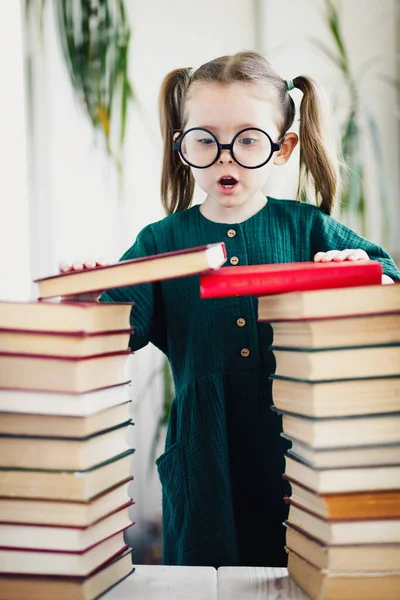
(175, 137)
(288, 145)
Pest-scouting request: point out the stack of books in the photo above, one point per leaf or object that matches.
(65, 428)
(64, 452)
(337, 386)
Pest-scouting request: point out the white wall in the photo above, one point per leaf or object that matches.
(369, 28)
(15, 272)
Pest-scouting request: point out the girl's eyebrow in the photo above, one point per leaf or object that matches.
(236, 128)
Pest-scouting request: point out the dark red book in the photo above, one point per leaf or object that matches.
(124, 273)
(68, 374)
(65, 538)
(260, 280)
(29, 561)
(64, 587)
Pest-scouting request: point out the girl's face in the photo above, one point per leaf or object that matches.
(225, 110)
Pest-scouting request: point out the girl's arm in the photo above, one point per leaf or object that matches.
(332, 240)
(147, 314)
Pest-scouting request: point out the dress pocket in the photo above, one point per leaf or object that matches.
(173, 492)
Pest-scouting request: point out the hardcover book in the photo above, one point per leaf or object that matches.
(65, 485)
(56, 426)
(53, 343)
(168, 265)
(69, 317)
(371, 330)
(259, 280)
(344, 456)
(64, 538)
(74, 564)
(371, 531)
(343, 480)
(61, 373)
(343, 432)
(62, 512)
(69, 454)
(348, 558)
(339, 398)
(74, 404)
(317, 304)
(94, 585)
(340, 363)
(321, 584)
(362, 505)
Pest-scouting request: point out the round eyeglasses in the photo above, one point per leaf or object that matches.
(251, 148)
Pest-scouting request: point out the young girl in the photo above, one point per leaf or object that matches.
(224, 126)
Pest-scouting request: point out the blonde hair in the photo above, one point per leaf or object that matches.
(319, 162)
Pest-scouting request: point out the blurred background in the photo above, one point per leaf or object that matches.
(81, 150)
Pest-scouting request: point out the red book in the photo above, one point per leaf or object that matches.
(69, 587)
(260, 280)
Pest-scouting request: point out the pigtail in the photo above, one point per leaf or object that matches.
(177, 183)
(319, 162)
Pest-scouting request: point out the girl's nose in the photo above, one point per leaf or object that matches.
(225, 157)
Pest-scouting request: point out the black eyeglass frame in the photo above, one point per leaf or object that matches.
(177, 146)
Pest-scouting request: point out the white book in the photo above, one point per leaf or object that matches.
(58, 403)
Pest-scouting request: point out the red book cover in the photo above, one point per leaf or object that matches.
(67, 334)
(261, 280)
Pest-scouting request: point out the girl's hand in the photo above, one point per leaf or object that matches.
(340, 255)
(80, 265)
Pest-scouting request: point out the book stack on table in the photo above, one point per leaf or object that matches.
(64, 452)
(65, 427)
(337, 386)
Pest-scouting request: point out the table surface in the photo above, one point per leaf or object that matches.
(154, 582)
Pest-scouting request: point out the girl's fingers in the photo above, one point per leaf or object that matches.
(358, 255)
(64, 267)
(329, 256)
(90, 264)
(102, 262)
(341, 255)
(80, 265)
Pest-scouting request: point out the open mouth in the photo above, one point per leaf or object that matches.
(228, 182)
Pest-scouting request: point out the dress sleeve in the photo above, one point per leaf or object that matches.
(147, 314)
(329, 234)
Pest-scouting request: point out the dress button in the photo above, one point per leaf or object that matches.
(231, 233)
(245, 352)
(241, 322)
(234, 260)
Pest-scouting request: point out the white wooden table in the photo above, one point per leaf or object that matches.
(257, 583)
(154, 582)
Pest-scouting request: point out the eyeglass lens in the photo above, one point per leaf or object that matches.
(251, 148)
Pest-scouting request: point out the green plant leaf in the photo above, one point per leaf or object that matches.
(353, 199)
(334, 25)
(95, 40)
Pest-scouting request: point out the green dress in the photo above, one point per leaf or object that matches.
(221, 472)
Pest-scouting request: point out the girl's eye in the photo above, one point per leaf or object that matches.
(206, 141)
(247, 141)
